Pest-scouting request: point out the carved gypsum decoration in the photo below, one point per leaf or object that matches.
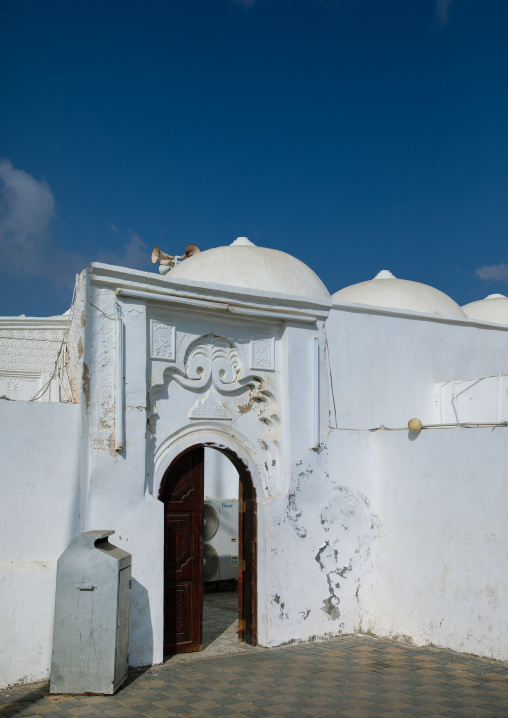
(264, 405)
(214, 360)
(162, 340)
(29, 350)
(210, 358)
(209, 407)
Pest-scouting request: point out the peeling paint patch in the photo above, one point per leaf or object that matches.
(345, 569)
(244, 408)
(331, 607)
(327, 557)
(294, 515)
(86, 384)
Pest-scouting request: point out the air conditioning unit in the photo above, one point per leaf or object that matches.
(220, 540)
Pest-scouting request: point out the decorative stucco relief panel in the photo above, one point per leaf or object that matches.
(210, 407)
(262, 351)
(213, 367)
(162, 340)
(29, 349)
(28, 364)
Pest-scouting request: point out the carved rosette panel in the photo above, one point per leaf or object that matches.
(262, 352)
(162, 340)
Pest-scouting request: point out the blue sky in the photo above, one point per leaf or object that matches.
(358, 135)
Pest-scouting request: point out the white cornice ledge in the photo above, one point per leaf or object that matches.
(411, 314)
(208, 295)
(59, 322)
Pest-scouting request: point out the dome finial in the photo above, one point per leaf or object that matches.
(242, 242)
(385, 274)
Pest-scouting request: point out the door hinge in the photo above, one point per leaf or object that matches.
(241, 624)
(241, 565)
(241, 507)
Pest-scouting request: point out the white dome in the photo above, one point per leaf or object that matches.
(493, 308)
(387, 291)
(242, 264)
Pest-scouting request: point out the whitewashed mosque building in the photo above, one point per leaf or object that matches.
(351, 522)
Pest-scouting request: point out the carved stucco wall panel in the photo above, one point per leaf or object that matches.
(28, 358)
(210, 383)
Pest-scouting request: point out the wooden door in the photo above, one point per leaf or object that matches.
(247, 558)
(241, 564)
(182, 494)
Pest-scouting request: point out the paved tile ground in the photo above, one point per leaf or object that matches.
(354, 677)
(220, 624)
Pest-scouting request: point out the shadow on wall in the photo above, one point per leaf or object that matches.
(140, 627)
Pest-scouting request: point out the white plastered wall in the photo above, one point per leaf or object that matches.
(39, 513)
(442, 546)
(385, 365)
(436, 572)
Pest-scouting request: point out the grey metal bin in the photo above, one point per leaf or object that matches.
(91, 630)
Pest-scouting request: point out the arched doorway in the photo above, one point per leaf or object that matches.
(182, 493)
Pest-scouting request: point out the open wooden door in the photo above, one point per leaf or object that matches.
(182, 494)
(241, 564)
(247, 560)
(249, 557)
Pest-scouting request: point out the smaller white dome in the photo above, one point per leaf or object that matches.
(493, 308)
(385, 290)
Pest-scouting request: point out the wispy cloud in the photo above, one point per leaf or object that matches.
(442, 7)
(134, 253)
(493, 272)
(27, 209)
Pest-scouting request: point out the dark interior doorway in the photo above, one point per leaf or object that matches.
(182, 492)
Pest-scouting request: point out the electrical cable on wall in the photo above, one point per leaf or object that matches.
(60, 355)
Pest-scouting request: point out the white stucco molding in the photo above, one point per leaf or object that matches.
(229, 301)
(220, 437)
(45, 323)
(411, 314)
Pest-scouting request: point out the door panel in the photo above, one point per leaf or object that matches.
(249, 595)
(179, 540)
(241, 616)
(182, 494)
(179, 608)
